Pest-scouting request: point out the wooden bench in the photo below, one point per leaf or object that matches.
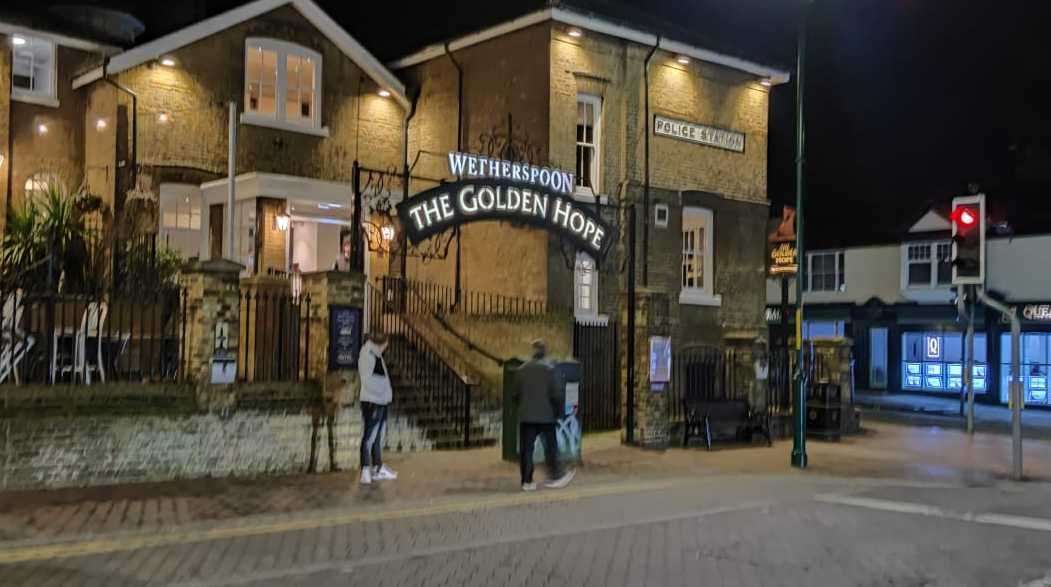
(725, 419)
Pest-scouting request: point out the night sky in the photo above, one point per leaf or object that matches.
(907, 100)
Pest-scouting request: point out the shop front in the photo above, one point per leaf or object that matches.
(1035, 353)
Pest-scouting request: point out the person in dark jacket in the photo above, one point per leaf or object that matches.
(540, 403)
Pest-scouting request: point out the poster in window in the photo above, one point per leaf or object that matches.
(344, 337)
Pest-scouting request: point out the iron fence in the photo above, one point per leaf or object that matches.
(428, 297)
(429, 388)
(103, 336)
(703, 373)
(274, 343)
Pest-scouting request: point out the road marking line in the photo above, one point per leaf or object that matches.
(348, 566)
(904, 507)
(1044, 582)
(109, 545)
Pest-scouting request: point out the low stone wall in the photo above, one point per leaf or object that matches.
(103, 434)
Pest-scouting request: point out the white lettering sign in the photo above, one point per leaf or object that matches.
(1037, 312)
(466, 165)
(701, 134)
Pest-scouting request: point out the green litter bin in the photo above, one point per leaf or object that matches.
(568, 430)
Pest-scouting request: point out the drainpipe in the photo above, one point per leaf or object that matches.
(134, 117)
(405, 189)
(459, 147)
(646, 169)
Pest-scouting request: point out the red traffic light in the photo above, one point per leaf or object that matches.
(965, 216)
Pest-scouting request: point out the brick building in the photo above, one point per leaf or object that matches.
(673, 128)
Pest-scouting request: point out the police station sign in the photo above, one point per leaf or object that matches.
(492, 189)
(701, 134)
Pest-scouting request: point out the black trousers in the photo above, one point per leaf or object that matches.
(373, 432)
(527, 434)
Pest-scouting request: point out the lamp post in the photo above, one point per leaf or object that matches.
(799, 456)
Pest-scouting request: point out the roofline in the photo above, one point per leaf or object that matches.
(599, 25)
(83, 44)
(311, 11)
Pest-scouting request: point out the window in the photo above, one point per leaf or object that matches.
(282, 86)
(827, 271)
(697, 274)
(589, 110)
(661, 214)
(1035, 363)
(934, 361)
(38, 185)
(181, 213)
(585, 281)
(928, 264)
(33, 70)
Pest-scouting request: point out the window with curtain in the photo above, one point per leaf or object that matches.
(827, 271)
(32, 69)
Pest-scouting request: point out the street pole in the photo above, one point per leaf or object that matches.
(1016, 382)
(231, 172)
(799, 457)
(968, 377)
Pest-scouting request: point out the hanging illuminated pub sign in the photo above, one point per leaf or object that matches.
(494, 189)
(783, 260)
(783, 255)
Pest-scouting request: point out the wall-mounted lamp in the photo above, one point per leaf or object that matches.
(683, 60)
(101, 124)
(18, 41)
(282, 221)
(384, 93)
(765, 82)
(41, 129)
(575, 32)
(387, 232)
(163, 118)
(168, 61)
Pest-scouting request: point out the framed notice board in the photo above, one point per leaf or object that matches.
(344, 337)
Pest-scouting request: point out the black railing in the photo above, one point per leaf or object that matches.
(595, 346)
(274, 343)
(429, 388)
(429, 297)
(102, 336)
(703, 373)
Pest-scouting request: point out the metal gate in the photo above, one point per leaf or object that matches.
(595, 346)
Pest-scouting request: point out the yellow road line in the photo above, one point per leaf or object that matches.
(97, 546)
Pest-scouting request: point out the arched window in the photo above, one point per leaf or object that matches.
(282, 85)
(38, 185)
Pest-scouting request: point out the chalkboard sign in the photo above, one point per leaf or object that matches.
(344, 337)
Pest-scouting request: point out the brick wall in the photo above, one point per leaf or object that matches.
(210, 73)
(5, 126)
(61, 149)
(272, 246)
(100, 142)
(134, 433)
(506, 75)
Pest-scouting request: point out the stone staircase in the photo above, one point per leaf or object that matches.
(433, 396)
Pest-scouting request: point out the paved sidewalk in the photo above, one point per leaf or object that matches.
(944, 411)
(883, 451)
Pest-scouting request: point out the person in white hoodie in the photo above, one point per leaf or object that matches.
(376, 395)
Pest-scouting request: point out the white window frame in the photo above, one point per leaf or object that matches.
(705, 295)
(49, 98)
(661, 215)
(933, 247)
(581, 313)
(596, 160)
(839, 270)
(279, 119)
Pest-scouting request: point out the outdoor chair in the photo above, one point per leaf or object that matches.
(14, 342)
(91, 325)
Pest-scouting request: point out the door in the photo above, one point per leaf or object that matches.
(878, 358)
(215, 231)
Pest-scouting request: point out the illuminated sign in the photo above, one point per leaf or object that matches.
(660, 359)
(502, 190)
(783, 260)
(934, 347)
(1037, 312)
(701, 134)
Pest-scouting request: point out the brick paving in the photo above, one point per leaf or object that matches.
(739, 515)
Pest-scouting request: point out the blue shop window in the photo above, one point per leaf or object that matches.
(912, 368)
(955, 382)
(913, 381)
(934, 382)
(955, 370)
(934, 361)
(933, 369)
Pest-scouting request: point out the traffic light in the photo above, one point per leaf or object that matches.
(968, 240)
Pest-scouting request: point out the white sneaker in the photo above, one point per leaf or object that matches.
(366, 476)
(529, 487)
(561, 481)
(384, 474)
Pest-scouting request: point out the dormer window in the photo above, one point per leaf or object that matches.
(927, 265)
(282, 86)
